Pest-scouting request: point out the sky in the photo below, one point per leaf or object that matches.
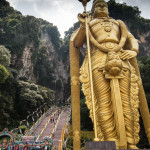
(63, 13)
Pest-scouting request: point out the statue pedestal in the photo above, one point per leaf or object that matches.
(100, 145)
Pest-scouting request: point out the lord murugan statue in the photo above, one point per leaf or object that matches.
(116, 82)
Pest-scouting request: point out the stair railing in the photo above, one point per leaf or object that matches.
(38, 122)
(64, 130)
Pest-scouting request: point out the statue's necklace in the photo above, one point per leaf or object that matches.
(107, 25)
(107, 29)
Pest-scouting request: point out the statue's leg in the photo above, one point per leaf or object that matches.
(127, 109)
(104, 111)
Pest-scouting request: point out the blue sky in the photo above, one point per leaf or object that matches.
(63, 13)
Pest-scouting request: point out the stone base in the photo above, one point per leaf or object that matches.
(100, 145)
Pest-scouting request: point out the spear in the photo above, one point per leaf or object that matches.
(84, 3)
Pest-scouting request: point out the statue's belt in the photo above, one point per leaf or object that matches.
(109, 45)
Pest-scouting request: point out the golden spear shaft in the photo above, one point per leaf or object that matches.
(84, 2)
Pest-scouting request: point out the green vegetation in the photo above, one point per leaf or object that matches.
(144, 65)
(52, 32)
(15, 29)
(19, 98)
(86, 122)
(30, 97)
(4, 56)
(43, 68)
(131, 16)
(3, 74)
(4, 62)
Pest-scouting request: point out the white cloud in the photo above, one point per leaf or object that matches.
(13, 3)
(120, 1)
(62, 13)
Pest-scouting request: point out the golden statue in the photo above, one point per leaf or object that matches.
(110, 78)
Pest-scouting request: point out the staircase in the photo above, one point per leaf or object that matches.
(45, 127)
(58, 133)
(49, 129)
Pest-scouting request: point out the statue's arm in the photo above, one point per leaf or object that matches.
(81, 34)
(132, 43)
(131, 48)
(80, 37)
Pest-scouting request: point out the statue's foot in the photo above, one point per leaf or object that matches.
(132, 146)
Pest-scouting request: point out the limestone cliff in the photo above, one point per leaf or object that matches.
(144, 44)
(27, 64)
(30, 65)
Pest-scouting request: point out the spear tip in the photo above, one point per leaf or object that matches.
(84, 2)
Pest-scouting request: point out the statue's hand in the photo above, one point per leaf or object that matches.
(81, 18)
(127, 54)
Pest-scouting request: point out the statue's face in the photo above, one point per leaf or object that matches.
(101, 10)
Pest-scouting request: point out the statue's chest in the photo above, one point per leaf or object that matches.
(103, 26)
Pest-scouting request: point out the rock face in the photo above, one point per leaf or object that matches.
(144, 45)
(26, 65)
(60, 69)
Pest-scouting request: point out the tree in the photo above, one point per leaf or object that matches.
(3, 73)
(144, 65)
(4, 56)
